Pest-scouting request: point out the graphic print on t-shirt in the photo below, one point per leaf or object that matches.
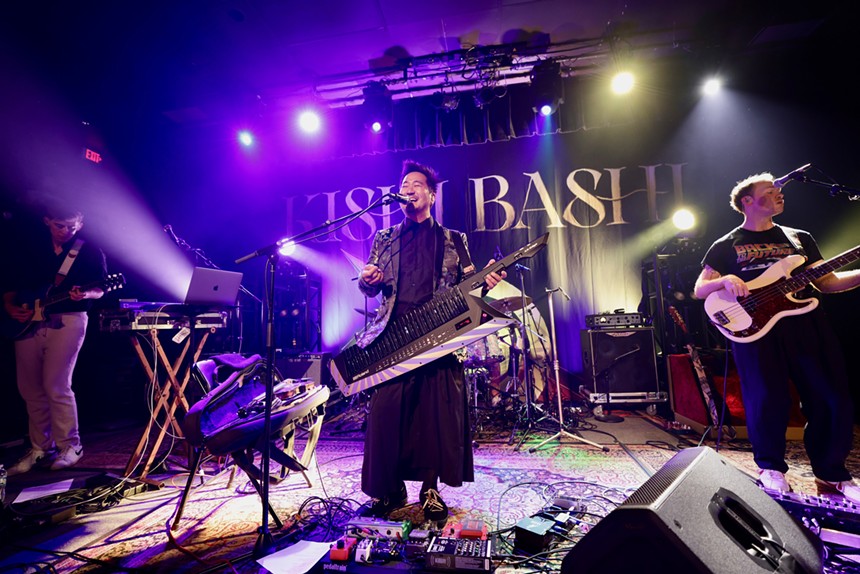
(756, 256)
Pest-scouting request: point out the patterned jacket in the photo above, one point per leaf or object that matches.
(385, 254)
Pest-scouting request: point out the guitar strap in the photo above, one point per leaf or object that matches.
(68, 261)
(793, 238)
(465, 260)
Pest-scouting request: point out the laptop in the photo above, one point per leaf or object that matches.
(213, 287)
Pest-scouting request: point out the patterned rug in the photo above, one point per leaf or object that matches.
(218, 529)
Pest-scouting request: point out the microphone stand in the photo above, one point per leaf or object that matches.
(527, 377)
(204, 259)
(561, 430)
(265, 541)
(835, 188)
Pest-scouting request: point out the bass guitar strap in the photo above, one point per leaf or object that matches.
(793, 238)
(68, 261)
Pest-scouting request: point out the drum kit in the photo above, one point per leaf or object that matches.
(493, 367)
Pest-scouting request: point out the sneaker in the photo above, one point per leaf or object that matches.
(774, 480)
(33, 457)
(435, 509)
(380, 507)
(69, 456)
(846, 488)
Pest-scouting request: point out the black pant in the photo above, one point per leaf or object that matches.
(802, 349)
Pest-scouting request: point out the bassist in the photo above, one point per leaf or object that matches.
(800, 348)
(46, 352)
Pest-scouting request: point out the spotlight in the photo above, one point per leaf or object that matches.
(246, 138)
(623, 82)
(712, 86)
(684, 219)
(484, 97)
(377, 107)
(309, 122)
(286, 247)
(546, 83)
(443, 101)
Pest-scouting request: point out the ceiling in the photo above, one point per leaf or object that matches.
(125, 64)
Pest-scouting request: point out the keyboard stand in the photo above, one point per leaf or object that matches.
(171, 397)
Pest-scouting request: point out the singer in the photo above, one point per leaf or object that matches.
(802, 348)
(417, 427)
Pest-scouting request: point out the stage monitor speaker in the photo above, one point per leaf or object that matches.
(620, 363)
(697, 514)
(311, 365)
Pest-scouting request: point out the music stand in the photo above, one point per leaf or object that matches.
(561, 430)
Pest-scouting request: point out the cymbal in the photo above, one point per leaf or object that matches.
(370, 314)
(506, 304)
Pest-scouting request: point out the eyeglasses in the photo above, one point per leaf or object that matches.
(65, 224)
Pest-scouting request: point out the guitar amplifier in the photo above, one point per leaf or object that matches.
(305, 365)
(688, 404)
(622, 366)
(615, 320)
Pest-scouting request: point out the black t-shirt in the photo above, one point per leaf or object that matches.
(748, 254)
(35, 270)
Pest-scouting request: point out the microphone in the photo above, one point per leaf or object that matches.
(399, 198)
(781, 182)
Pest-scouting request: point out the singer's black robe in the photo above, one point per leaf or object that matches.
(417, 425)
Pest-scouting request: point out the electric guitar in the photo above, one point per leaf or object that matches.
(701, 375)
(39, 301)
(746, 319)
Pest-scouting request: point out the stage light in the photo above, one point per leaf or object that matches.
(443, 101)
(246, 138)
(309, 121)
(286, 247)
(623, 82)
(377, 107)
(484, 97)
(684, 219)
(546, 84)
(712, 86)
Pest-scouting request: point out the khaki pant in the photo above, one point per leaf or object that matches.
(45, 360)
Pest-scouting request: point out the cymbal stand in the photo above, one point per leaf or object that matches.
(561, 430)
(530, 407)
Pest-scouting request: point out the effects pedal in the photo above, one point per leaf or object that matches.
(378, 528)
(457, 554)
(341, 549)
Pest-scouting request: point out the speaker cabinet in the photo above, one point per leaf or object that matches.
(697, 514)
(311, 365)
(621, 365)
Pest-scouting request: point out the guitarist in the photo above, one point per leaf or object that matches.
(45, 354)
(801, 348)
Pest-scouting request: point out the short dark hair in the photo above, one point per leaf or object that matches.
(55, 208)
(410, 166)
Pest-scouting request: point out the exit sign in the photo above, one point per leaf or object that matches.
(93, 156)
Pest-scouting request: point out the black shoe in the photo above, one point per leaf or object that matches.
(380, 507)
(435, 509)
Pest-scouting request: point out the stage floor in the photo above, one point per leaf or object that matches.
(87, 530)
